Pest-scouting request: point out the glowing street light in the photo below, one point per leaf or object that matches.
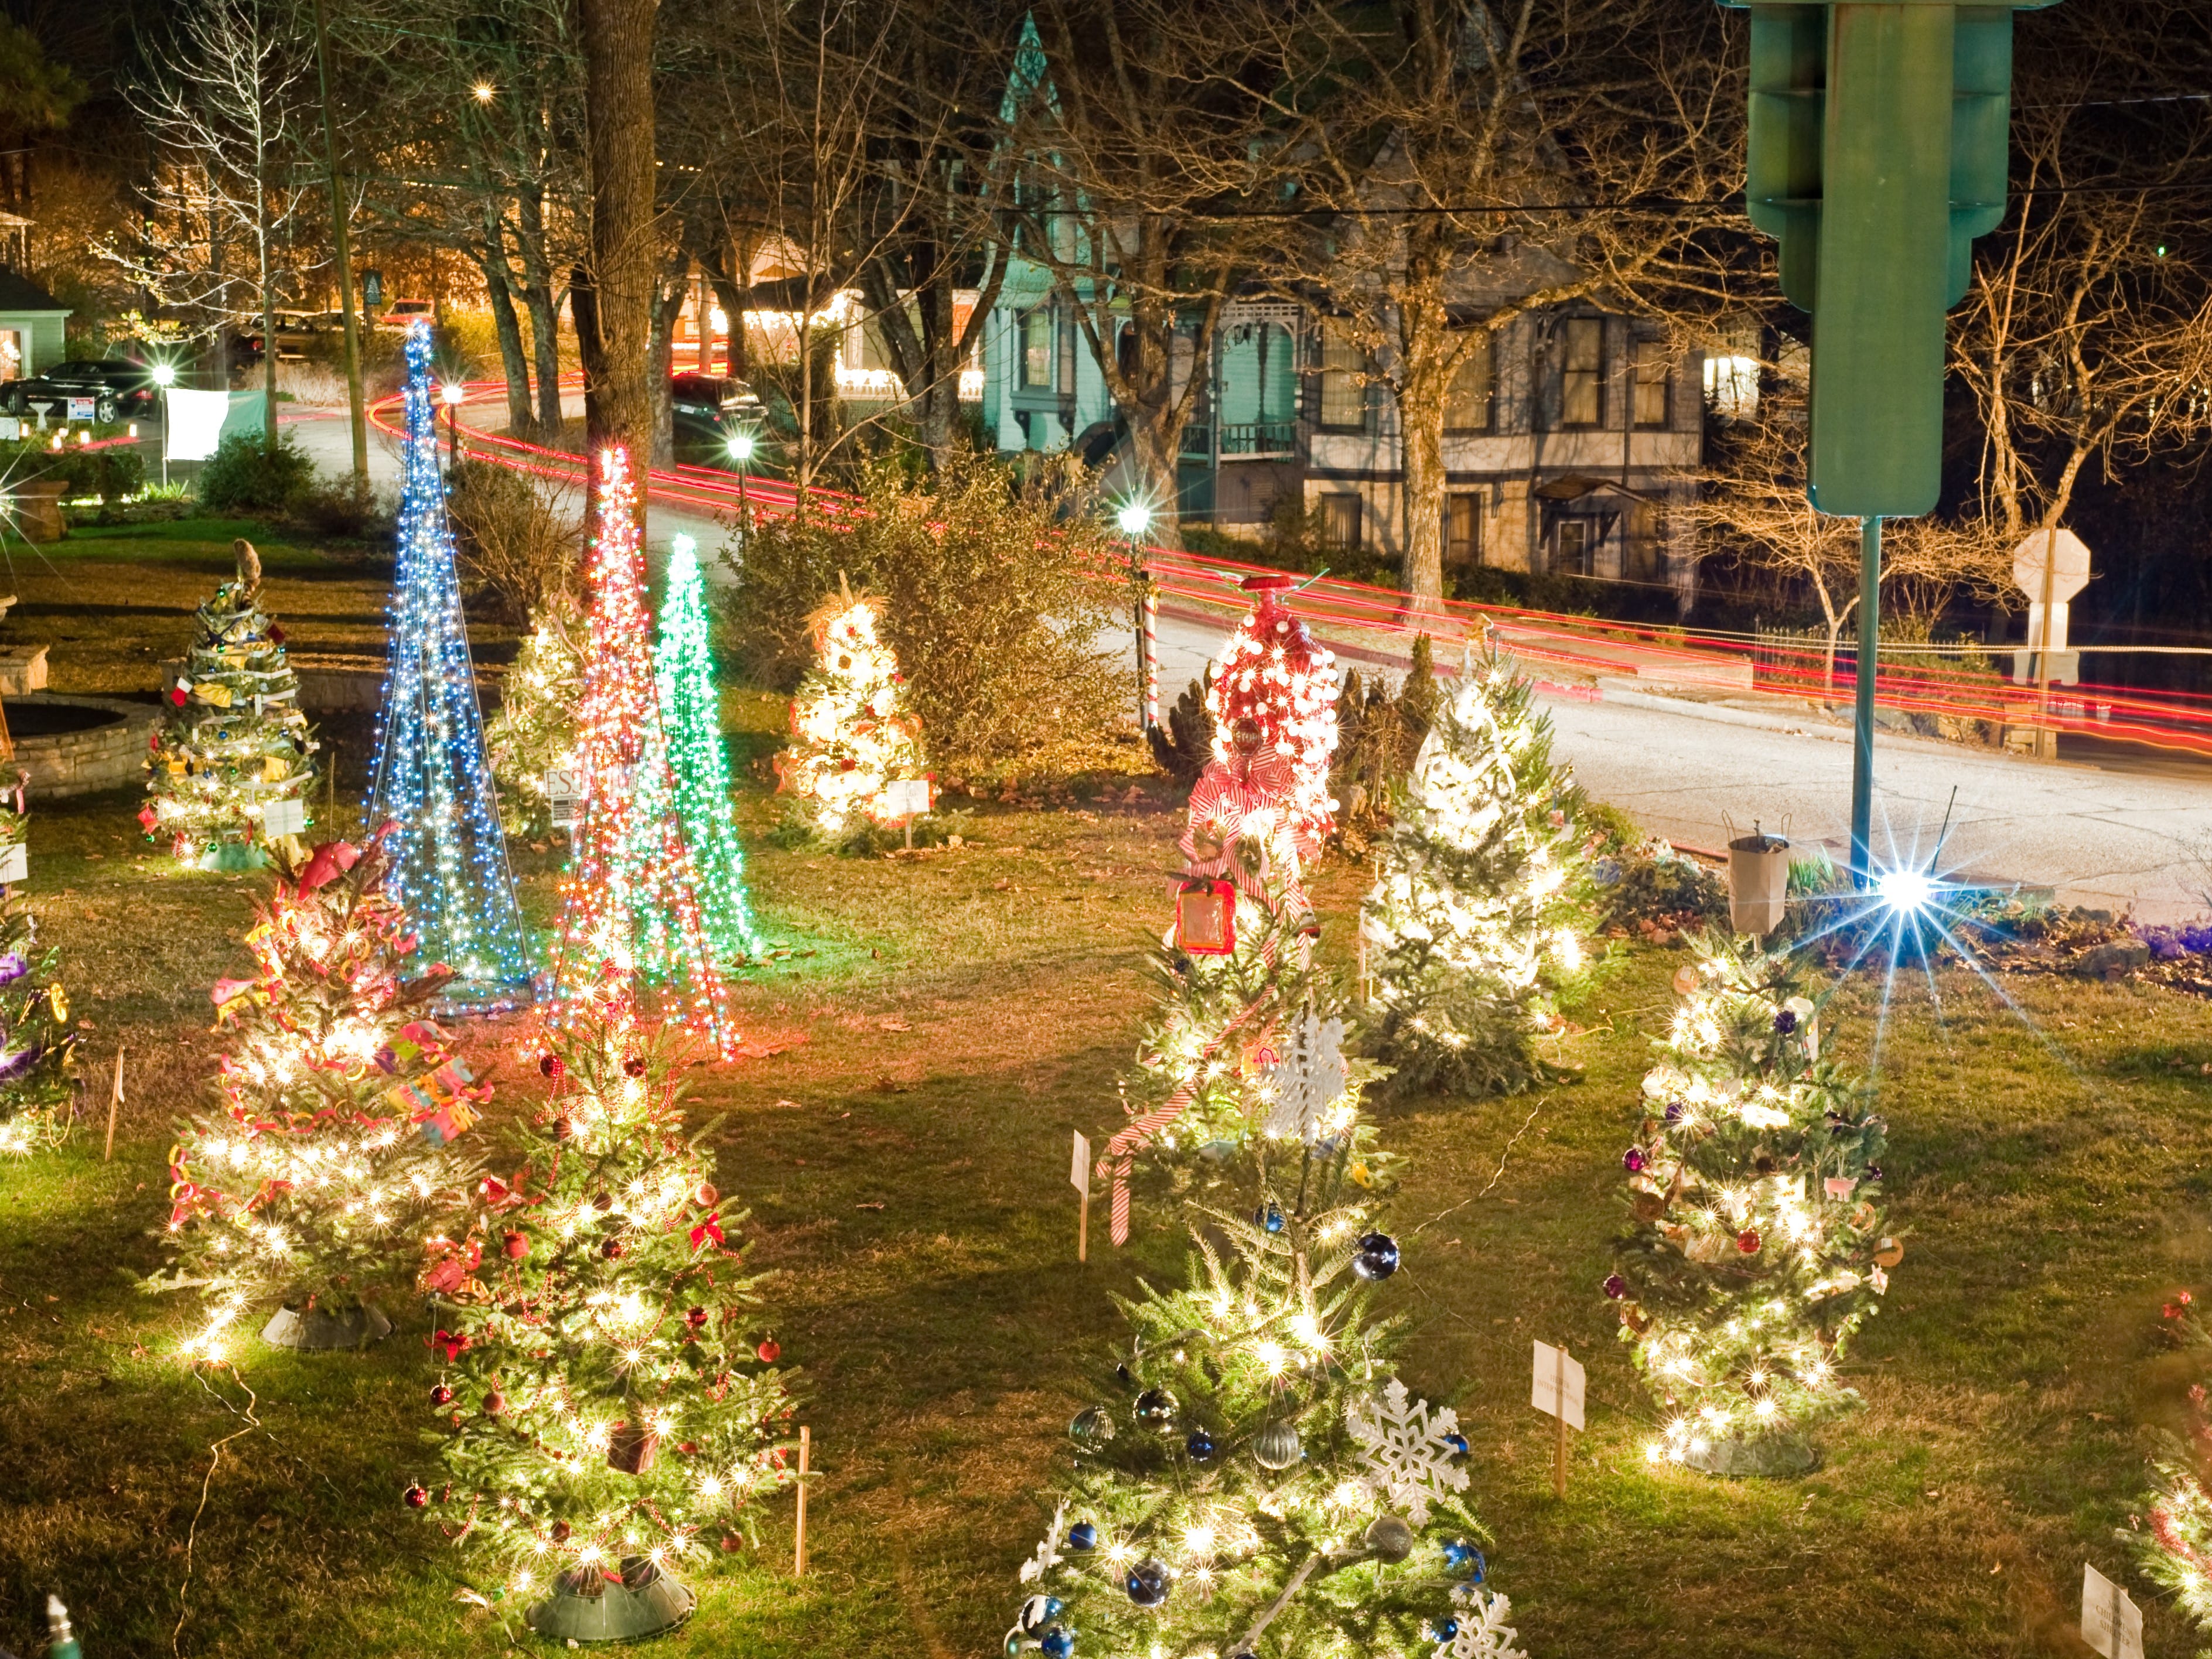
(1134, 518)
(455, 394)
(165, 376)
(742, 445)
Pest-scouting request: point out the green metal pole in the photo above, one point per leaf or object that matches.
(354, 403)
(1863, 726)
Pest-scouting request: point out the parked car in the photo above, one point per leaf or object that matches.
(295, 331)
(400, 314)
(120, 390)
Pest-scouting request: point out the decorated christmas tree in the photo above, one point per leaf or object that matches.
(1229, 975)
(1755, 1245)
(610, 1411)
(38, 1043)
(1252, 1478)
(323, 1180)
(2172, 1537)
(433, 784)
(629, 897)
(691, 720)
(1274, 675)
(854, 737)
(1483, 900)
(536, 730)
(233, 753)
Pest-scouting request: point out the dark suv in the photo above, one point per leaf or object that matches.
(120, 390)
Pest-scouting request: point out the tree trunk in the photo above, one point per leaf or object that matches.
(1421, 438)
(544, 309)
(491, 259)
(729, 298)
(268, 319)
(618, 43)
(667, 302)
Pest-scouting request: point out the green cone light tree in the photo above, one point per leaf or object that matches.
(1483, 902)
(234, 742)
(322, 1181)
(691, 727)
(610, 1410)
(1754, 1245)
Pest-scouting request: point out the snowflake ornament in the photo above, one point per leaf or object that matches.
(1048, 1554)
(1483, 1633)
(1307, 1081)
(1409, 1459)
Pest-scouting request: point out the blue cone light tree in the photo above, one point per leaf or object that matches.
(433, 781)
(691, 725)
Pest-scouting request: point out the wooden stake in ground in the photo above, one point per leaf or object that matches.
(1558, 1390)
(114, 1104)
(799, 1549)
(1078, 1176)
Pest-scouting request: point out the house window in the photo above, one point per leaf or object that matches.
(1036, 348)
(1463, 528)
(1343, 380)
(1466, 400)
(1339, 522)
(1582, 372)
(1646, 562)
(1574, 541)
(1650, 383)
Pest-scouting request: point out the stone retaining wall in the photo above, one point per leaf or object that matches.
(82, 762)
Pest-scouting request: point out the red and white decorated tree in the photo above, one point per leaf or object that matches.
(1275, 676)
(629, 897)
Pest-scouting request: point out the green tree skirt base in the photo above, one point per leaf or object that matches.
(234, 856)
(1775, 1456)
(617, 1612)
(354, 1327)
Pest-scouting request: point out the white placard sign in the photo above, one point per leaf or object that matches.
(1558, 1385)
(2110, 1623)
(191, 423)
(566, 800)
(284, 817)
(906, 797)
(15, 864)
(81, 408)
(1078, 1173)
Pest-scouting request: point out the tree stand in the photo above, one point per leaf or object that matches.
(585, 1608)
(1774, 1456)
(351, 1327)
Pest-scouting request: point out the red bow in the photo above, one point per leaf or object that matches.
(709, 1227)
(453, 1342)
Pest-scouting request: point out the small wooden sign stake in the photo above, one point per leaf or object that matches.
(114, 1103)
(799, 1550)
(1560, 1453)
(1079, 1178)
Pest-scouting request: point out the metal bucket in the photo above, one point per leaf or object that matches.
(351, 1328)
(647, 1602)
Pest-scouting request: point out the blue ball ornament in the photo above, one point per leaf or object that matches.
(1270, 1217)
(1442, 1630)
(1199, 1445)
(1465, 1559)
(1147, 1583)
(1083, 1536)
(1057, 1643)
(1377, 1257)
(1457, 1443)
(1038, 1612)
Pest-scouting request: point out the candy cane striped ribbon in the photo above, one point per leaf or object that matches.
(1151, 655)
(1119, 1155)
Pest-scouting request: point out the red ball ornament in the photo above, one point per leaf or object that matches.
(494, 1403)
(633, 1065)
(560, 1532)
(732, 1543)
(515, 1245)
(768, 1352)
(612, 1249)
(441, 1395)
(1747, 1241)
(695, 1317)
(415, 1497)
(552, 1065)
(705, 1196)
(563, 1128)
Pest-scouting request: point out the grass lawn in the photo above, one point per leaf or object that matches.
(904, 1152)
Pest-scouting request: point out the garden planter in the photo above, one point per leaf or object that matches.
(1775, 1456)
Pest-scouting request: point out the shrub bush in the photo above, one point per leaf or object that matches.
(339, 508)
(993, 604)
(519, 545)
(248, 474)
(109, 474)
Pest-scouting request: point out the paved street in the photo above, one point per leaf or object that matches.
(2136, 833)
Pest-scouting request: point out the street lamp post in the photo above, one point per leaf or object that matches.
(1135, 519)
(453, 393)
(741, 452)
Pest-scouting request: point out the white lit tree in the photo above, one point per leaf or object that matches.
(1483, 900)
(854, 735)
(1754, 1245)
(535, 729)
